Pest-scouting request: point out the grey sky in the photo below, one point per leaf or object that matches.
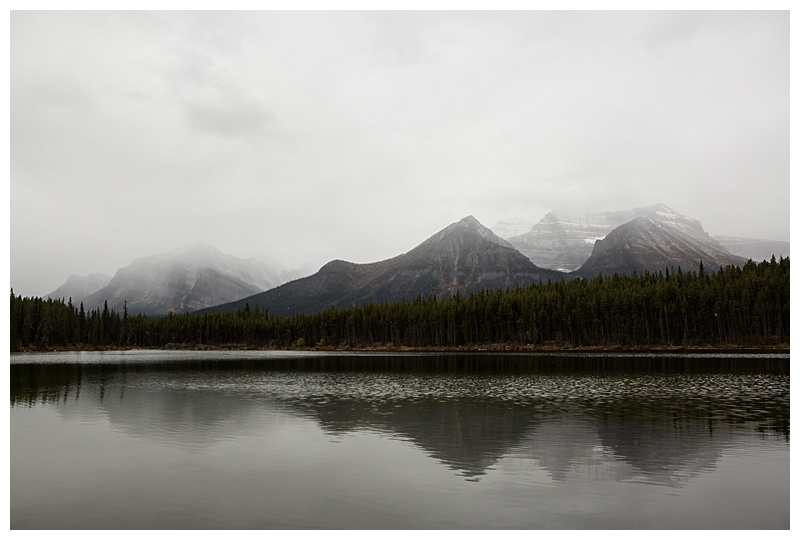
(309, 136)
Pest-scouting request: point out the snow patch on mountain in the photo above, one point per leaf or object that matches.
(565, 241)
(648, 244)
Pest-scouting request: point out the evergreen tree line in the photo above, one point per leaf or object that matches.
(747, 306)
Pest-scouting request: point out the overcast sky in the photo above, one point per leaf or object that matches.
(311, 136)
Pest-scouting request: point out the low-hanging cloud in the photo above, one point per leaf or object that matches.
(356, 135)
(230, 118)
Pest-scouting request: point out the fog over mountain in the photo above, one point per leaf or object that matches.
(565, 242)
(313, 136)
(752, 248)
(76, 288)
(511, 227)
(185, 279)
(463, 257)
(656, 245)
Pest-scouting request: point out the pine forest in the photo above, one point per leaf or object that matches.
(728, 307)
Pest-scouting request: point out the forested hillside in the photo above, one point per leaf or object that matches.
(746, 306)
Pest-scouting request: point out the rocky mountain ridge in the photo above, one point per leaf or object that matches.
(650, 244)
(565, 242)
(463, 257)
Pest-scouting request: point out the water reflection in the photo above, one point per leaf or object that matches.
(655, 420)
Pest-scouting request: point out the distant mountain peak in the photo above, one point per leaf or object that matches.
(654, 243)
(551, 217)
(658, 207)
(464, 228)
(663, 213)
(564, 242)
(468, 222)
(190, 277)
(464, 256)
(79, 287)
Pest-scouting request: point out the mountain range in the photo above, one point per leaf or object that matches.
(648, 244)
(186, 279)
(463, 257)
(565, 242)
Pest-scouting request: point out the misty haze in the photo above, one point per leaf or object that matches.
(399, 270)
(298, 138)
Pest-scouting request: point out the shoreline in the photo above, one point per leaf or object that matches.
(494, 347)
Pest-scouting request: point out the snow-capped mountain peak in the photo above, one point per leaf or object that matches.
(565, 241)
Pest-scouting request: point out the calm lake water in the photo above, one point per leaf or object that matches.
(273, 440)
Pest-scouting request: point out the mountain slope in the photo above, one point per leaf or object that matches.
(79, 287)
(564, 242)
(186, 279)
(656, 245)
(465, 256)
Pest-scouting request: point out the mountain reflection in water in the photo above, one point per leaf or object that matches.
(653, 419)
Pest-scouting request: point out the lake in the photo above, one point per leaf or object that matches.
(310, 440)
